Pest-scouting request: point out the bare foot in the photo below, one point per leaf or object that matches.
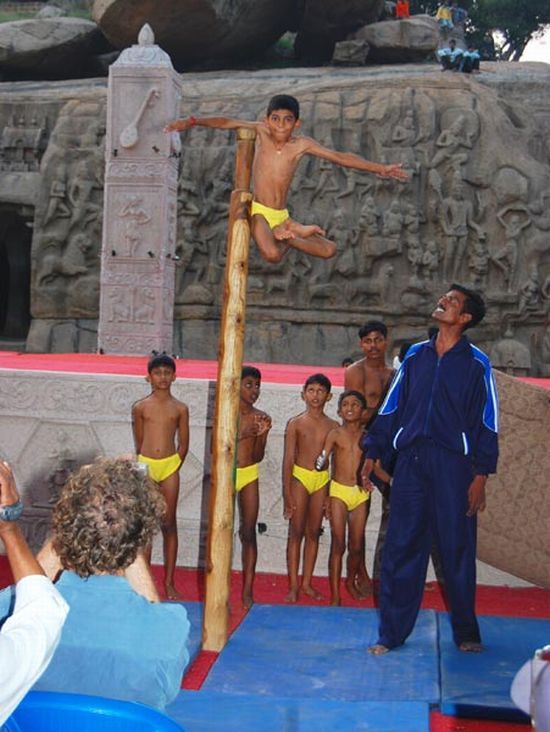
(312, 592)
(292, 596)
(352, 589)
(248, 600)
(378, 649)
(364, 588)
(171, 592)
(335, 602)
(470, 647)
(283, 232)
(305, 230)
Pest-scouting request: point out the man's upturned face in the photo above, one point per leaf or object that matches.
(374, 345)
(450, 309)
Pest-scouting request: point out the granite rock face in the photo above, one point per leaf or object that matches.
(198, 31)
(400, 41)
(47, 47)
(325, 22)
(475, 211)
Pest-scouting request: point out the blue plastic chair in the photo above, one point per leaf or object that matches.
(45, 711)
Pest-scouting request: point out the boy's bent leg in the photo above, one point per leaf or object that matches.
(270, 249)
(315, 245)
(314, 520)
(170, 490)
(249, 503)
(296, 529)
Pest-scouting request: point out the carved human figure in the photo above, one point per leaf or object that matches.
(81, 185)
(450, 142)
(326, 183)
(392, 225)
(530, 295)
(404, 132)
(136, 216)
(457, 217)
(545, 347)
(414, 256)
(69, 262)
(188, 194)
(58, 204)
(506, 258)
(478, 262)
(430, 260)
(356, 186)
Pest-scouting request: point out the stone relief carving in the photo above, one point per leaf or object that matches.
(22, 143)
(472, 212)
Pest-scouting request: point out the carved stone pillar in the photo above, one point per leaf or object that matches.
(139, 226)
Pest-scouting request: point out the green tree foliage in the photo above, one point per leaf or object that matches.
(512, 22)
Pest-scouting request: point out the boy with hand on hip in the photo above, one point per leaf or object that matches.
(348, 503)
(305, 489)
(157, 420)
(254, 426)
(277, 154)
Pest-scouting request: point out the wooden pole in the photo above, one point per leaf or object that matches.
(224, 437)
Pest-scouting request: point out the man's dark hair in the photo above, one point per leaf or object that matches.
(320, 379)
(376, 325)
(161, 359)
(284, 101)
(352, 392)
(473, 304)
(251, 371)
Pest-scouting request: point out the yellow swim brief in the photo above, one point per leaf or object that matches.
(273, 216)
(312, 480)
(246, 475)
(161, 468)
(351, 495)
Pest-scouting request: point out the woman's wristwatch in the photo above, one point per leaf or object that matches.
(11, 513)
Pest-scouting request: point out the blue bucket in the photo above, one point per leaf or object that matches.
(44, 711)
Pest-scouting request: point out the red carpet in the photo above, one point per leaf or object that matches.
(532, 602)
(92, 363)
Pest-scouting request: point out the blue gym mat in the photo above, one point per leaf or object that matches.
(194, 614)
(321, 653)
(478, 684)
(202, 711)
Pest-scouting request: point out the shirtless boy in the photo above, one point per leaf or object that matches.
(277, 154)
(371, 376)
(348, 503)
(158, 421)
(305, 489)
(254, 426)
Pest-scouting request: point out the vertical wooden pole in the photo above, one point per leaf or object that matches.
(224, 438)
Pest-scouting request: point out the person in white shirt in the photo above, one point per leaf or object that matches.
(30, 635)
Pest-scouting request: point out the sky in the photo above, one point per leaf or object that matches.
(538, 49)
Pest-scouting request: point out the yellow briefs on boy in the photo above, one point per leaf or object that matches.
(273, 216)
(246, 475)
(161, 468)
(312, 480)
(351, 495)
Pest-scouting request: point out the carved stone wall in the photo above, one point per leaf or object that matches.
(475, 211)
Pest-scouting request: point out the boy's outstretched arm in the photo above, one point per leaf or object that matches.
(350, 160)
(221, 123)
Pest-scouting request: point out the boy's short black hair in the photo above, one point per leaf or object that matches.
(161, 359)
(284, 101)
(376, 325)
(251, 371)
(354, 393)
(320, 379)
(473, 304)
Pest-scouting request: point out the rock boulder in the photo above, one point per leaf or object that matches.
(47, 47)
(403, 41)
(197, 32)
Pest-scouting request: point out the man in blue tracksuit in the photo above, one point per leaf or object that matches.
(440, 416)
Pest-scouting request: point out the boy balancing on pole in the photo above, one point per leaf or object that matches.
(277, 154)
